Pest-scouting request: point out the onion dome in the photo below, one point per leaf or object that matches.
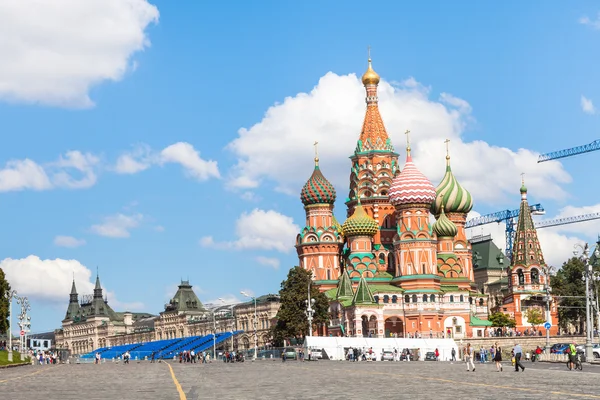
(410, 186)
(317, 190)
(443, 227)
(360, 224)
(370, 77)
(451, 195)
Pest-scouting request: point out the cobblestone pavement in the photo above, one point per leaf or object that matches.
(297, 380)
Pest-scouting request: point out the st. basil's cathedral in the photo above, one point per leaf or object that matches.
(387, 270)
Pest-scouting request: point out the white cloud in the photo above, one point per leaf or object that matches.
(268, 262)
(118, 226)
(53, 52)
(189, 158)
(23, 174)
(68, 241)
(135, 161)
(78, 161)
(594, 24)
(32, 277)
(159, 228)
(587, 105)
(259, 229)
(27, 174)
(333, 112)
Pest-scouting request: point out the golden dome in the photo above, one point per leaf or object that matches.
(370, 77)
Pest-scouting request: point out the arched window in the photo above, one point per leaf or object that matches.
(521, 277)
(470, 300)
(376, 299)
(462, 298)
(451, 298)
(424, 298)
(386, 299)
(535, 276)
(414, 298)
(406, 298)
(394, 299)
(481, 302)
(432, 299)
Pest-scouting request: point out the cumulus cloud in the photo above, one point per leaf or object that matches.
(143, 157)
(68, 241)
(73, 170)
(592, 23)
(587, 105)
(118, 226)
(53, 52)
(189, 158)
(32, 277)
(259, 229)
(268, 262)
(332, 114)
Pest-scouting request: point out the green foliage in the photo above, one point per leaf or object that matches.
(291, 318)
(499, 319)
(4, 306)
(569, 281)
(535, 316)
(16, 358)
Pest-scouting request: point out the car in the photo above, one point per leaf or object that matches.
(387, 355)
(290, 353)
(430, 356)
(596, 351)
(316, 354)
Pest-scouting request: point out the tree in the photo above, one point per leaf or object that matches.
(569, 281)
(4, 306)
(499, 319)
(291, 317)
(535, 316)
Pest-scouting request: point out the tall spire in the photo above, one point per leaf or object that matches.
(373, 136)
(98, 287)
(73, 297)
(526, 247)
(363, 294)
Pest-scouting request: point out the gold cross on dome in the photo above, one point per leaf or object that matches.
(316, 144)
(369, 52)
(523, 178)
(407, 141)
(447, 141)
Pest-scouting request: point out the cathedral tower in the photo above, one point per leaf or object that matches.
(320, 242)
(415, 247)
(374, 165)
(456, 202)
(360, 228)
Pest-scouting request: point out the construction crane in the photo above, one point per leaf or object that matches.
(508, 217)
(586, 148)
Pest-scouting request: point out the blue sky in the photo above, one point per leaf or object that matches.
(160, 141)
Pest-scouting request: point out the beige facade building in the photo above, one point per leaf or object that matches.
(90, 323)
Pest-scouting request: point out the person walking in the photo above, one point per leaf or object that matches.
(498, 358)
(453, 354)
(468, 354)
(518, 354)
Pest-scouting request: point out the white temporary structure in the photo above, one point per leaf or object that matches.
(336, 347)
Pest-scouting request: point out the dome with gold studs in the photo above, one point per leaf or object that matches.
(360, 224)
(370, 77)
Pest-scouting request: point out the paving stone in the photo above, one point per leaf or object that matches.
(298, 380)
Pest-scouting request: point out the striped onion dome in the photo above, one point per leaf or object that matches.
(360, 224)
(451, 195)
(411, 187)
(443, 227)
(317, 189)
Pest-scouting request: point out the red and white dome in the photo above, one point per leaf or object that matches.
(411, 186)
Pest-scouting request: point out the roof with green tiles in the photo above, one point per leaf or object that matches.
(486, 255)
(344, 287)
(479, 322)
(363, 293)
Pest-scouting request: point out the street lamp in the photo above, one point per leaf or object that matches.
(232, 316)
(255, 323)
(11, 294)
(24, 319)
(589, 351)
(546, 271)
(214, 336)
(309, 310)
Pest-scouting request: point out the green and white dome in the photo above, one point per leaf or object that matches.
(443, 227)
(451, 195)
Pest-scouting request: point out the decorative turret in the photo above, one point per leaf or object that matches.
(360, 224)
(317, 190)
(411, 186)
(363, 293)
(450, 194)
(370, 77)
(344, 287)
(526, 248)
(73, 309)
(443, 227)
(97, 288)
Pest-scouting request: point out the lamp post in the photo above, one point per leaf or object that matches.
(547, 298)
(589, 351)
(233, 321)
(309, 310)
(255, 324)
(11, 294)
(214, 336)
(24, 319)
